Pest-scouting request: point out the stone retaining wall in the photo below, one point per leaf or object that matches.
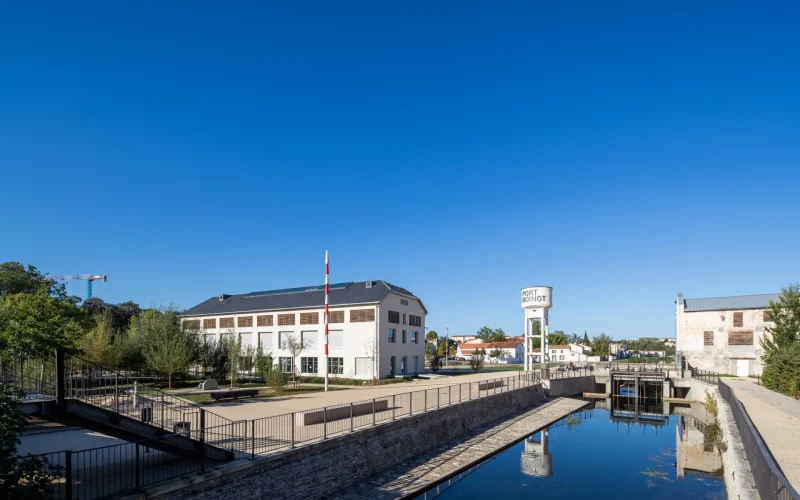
(320, 469)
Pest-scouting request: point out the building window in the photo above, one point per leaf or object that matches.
(391, 365)
(286, 319)
(210, 323)
(554, 351)
(562, 358)
(403, 361)
(362, 315)
(336, 366)
(708, 338)
(413, 337)
(738, 319)
(264, 320)
(394, 317)
(309, 318)
(765, 317)
(283, 337)
(210, 338)
(404, 302)
(404, 318)
(265, 340)
(191, 324)
(392, 334)
(308, 365)
(285, 364)
(244, 321)
(335, 316)
(226, 322)
(404, 336)
(414, 320)
(740, 338)
(310, 339)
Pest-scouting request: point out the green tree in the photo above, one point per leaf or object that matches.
(477, 360)
(782, 347)
(26, 478)
(601, 345)
(98, 345)
(168, 347)
(586, 338)
(497, 354)
(557, 338)
(15, 278)
(32, 322)
(432, 335)
(435, 361)
(234, 351)
(263, 362)
(485, 334)
(498, 336)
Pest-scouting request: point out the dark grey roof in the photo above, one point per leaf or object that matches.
(730, 303)
(298, 298)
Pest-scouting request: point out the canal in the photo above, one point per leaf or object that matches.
(592, 455)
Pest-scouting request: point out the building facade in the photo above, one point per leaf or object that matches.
(723, 334)
(513, 351)
(569, 353)
(376, 330)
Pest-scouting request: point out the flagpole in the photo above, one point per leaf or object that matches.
(326, 321)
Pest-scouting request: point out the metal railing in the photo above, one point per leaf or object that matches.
(705, 376)
(570, 372)
(109, 471)
(118, 469)
(770, 480)
(35, 374)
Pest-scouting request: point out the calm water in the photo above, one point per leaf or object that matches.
(598, 458)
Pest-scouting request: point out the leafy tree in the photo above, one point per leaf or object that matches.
(477, 360)
(263, 362)
(214, 359)
(276, 380)
(31, 322)
(14, 279)
(782, 346)
(120, 314)
(485, 334)
(435, 361)
(498, 336)
(168, 347)
(432, 335)
(557, 338)
(234, 351)
(497, 354)
(98, 344)
(601, 344)
(26, 478)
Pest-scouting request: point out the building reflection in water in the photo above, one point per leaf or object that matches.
(696, 443)
(536, 460)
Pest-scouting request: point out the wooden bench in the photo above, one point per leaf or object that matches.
(341, 412)
(239, 393)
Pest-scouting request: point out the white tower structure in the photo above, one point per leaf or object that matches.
(536, 460)
(537, 300)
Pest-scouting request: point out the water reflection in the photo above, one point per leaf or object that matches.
(697, 444)
(536, 460)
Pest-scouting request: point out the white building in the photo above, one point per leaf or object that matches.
(569, 353)
(463, 338)
(375, 330)
(723, 334)
(513, 351)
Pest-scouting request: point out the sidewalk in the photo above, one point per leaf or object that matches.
(777, 418)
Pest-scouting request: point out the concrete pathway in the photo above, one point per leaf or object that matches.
(247, 409)
(412, 477)
(777, 418)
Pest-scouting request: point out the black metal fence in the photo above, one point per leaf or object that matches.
(119, 469)
(705, 376)
(770, 480)
(571, 371)
(34, 374)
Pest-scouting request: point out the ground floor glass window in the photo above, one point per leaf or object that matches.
(336, 366)
(308, 365)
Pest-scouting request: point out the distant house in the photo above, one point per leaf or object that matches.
(513, 351)
(462, 338)
(569, 353)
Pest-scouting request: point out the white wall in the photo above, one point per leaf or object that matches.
(398, 349)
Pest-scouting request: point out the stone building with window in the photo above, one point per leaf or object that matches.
(723, 334)
(376, 329)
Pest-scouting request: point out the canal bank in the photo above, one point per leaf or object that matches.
(413, 476)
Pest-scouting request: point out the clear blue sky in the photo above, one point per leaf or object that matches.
(621, 152)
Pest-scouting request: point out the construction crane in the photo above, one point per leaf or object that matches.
(88, 277)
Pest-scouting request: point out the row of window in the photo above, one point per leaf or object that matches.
(288, 319)
(413, 320)
(310, 365)
(393, 336)
(734, 338)
(738, 318)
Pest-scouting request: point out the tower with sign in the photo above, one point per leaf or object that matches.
(537, 301)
